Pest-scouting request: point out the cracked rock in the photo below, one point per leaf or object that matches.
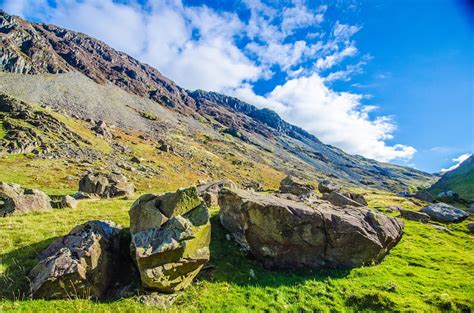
(287, 234)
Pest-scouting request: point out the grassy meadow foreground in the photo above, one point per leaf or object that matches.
(429, 270)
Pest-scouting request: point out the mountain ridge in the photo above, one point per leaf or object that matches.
(36, 49)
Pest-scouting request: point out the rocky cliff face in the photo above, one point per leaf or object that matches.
(38, 49)
(31, 48)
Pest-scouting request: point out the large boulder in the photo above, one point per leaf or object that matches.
(288, 234)
(16, 200)
(424, 195)
(171, 234)
(296, 186)
(445, 213)
(210, 191)
(80, 264)
(343, 199)
(414, 216)
(106, 185)
(326, 186)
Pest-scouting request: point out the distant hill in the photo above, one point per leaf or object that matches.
(460, 180)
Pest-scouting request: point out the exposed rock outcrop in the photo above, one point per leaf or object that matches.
(170, 238)
(80, 264)
(445, 213)
(296, 186)
(106, 185)
(16, 200)
(31, 130)
(287, 234)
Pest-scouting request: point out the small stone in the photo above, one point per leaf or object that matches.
(252, 273)
(326, 186)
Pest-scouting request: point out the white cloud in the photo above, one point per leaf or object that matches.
(458, 160)
(333, 59)
(298, 17)
(337, 118)
(198, 48)
(344, 31)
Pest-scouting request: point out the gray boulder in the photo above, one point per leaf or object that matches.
(424, 195)
(445, 213)
(341, 200)
(326, 186)
(414, 216)
(287, 234)
(80, 195)
(296, 186)
(106, 185)
(80, 264)
(68, 202)
(209, 191)
(63, 202)
(356, 197)
(171, 234)
(102, 129)
(16, 200)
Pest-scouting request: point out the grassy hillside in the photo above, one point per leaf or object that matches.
(460, 180)
(417, 275)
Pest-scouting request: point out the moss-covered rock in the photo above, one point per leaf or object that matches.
(170, 238)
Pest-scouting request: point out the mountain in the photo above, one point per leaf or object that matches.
(460, 180)
(83, 78)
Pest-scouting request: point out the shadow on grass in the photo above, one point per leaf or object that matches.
(14, 282)
(230, 264)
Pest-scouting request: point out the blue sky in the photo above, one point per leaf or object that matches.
(390, 80)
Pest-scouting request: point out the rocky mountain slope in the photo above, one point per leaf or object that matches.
(459, 180)
(82, 77)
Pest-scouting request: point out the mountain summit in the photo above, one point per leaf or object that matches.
(83, 77)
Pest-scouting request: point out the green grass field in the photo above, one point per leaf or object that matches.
(460, 180)
(429, 270)
(2, 128)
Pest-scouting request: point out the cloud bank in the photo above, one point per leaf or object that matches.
(204, 48)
